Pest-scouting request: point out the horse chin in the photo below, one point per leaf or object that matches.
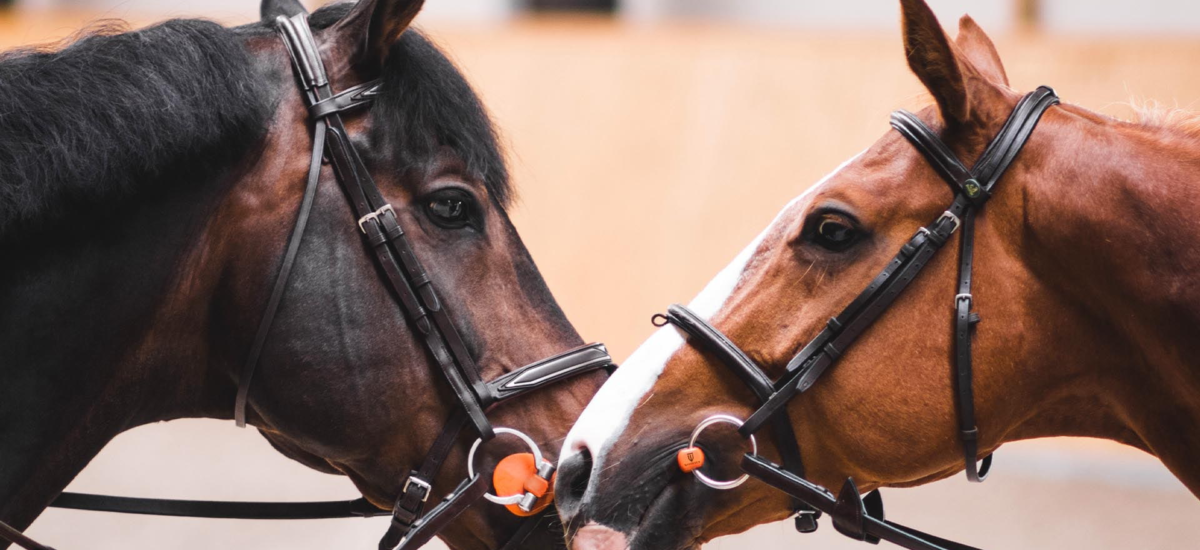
(671, 522)
(668, 523)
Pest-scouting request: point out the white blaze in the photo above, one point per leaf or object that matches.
(607, 415)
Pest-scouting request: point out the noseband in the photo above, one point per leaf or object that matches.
(859, 517)
(413, 289)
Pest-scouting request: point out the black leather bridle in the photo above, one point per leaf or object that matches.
(859, 517)
(411, 526)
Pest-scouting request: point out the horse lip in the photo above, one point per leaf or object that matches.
(595, 536)
(661, 494)
(662, 505)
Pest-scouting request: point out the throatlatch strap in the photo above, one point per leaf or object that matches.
(281, 278)
(977, 188)
(964, 325)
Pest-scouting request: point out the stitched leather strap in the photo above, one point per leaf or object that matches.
(939, 156)
(346, 100)
(417, 487)
(977, 188)
(712, 340)
(550, 370)
(406, 512)
(467, 493)
(852, 516)
(972, 190)
(281, 277)
(964, 325)
(841, 331)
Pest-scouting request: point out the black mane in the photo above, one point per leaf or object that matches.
(115, 114)
(102, 119)
(425, 103)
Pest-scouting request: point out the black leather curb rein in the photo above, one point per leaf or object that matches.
(858, 517)
(413, 289)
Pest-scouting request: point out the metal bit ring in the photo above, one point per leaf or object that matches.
(537, 460)
(720, 419)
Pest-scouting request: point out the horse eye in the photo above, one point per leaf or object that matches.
(834, 233)
(449, 210)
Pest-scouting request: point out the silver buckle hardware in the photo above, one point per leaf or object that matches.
(960, 297)
(422, 484)
(950, 216)
(362, 222)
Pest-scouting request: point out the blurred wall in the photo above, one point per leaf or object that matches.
(1120, 16)
(1106, 16)
(842, 14)
(463, 11)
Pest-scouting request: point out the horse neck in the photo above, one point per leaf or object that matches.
(1110, 239)
(106, 325)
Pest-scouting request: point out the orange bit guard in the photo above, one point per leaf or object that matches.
(690, 459)
(517, 474)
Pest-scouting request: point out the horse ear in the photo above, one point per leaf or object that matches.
(933, 60)
(372, 26)
(975, 45)
(270, 9)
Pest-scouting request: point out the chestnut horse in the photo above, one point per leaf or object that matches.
(149, 181)
(1085, 277)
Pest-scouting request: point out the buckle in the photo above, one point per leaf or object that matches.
(805, 520)
(425, 487)
(947, 215)
(960, 297)
(362, 222)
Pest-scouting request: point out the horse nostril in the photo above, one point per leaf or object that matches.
(574, 477)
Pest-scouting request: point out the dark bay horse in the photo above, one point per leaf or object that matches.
(1085, 277)
(148, 184)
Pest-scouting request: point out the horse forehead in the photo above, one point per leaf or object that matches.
(610, 411)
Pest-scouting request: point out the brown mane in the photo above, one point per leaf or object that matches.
(1152, 114)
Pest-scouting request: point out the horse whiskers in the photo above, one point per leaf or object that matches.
(821, 278)
(646, 400)
(805, 274)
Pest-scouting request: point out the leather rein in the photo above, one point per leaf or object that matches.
(411, 526)
(855, 516)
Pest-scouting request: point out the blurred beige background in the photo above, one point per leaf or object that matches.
(648, 149)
